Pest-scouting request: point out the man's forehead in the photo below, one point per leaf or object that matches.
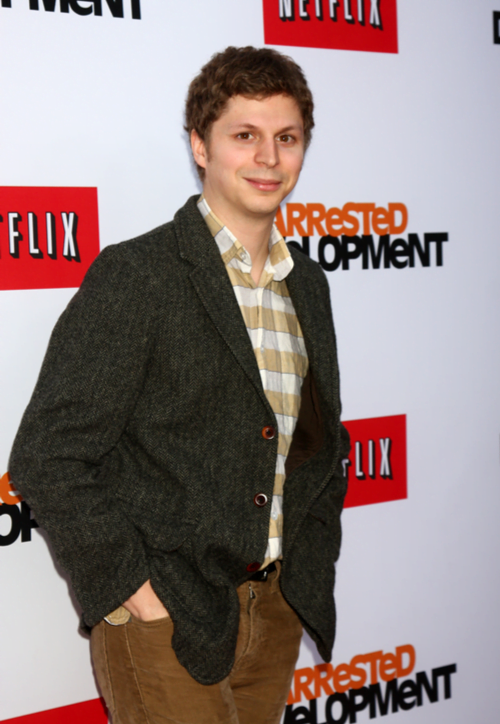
(251, 111)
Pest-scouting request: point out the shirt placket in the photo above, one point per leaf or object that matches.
(259, 293)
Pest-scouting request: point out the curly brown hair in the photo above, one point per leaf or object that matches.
(250, 72)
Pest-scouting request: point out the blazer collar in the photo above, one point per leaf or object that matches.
(196, 243)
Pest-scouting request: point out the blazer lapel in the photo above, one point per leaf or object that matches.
(213, 286)
(310, 308)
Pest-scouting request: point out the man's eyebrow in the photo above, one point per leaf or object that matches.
(243, 124)
(252, 127)
(293, 127)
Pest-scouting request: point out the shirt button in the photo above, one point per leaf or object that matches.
(268, 432)
(260, 500)
(253, 567)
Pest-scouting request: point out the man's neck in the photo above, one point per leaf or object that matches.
(253, 232)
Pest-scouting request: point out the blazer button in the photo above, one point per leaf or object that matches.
(260, 500)
(268, 432)
(253, 567)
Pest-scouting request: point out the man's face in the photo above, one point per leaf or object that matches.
(253, 157)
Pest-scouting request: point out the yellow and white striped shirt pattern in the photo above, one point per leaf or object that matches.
(277, 341)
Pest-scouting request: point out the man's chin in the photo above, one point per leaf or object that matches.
(265, 205)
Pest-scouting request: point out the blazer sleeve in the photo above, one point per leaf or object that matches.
(90, 379)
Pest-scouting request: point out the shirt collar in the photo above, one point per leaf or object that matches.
(279, 263)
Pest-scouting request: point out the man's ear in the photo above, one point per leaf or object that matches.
(199, 149)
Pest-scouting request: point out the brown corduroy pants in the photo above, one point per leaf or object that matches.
(143, 683)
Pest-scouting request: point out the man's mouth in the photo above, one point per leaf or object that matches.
(264, 184)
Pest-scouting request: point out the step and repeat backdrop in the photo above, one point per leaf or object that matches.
(399, 201)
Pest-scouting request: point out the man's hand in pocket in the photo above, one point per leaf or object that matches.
(145, 604)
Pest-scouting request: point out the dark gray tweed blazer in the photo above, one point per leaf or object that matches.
(141, 449)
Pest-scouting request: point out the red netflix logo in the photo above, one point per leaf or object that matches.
(376, 468)
(48, 236)
(369, 25)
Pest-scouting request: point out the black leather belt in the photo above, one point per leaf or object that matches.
(263, 574)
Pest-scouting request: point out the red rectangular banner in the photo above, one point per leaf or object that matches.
(377, 461)
(87, 712)
(369, 25)
(49, 236)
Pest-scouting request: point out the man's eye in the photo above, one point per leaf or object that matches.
(286, 138)
(244, 135)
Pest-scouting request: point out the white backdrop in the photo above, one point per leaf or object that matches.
(98, 101)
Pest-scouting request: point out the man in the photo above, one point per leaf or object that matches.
(194, 370)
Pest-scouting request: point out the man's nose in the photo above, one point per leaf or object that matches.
(267, 152)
